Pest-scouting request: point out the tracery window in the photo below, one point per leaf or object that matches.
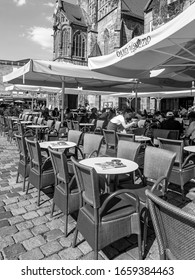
(79, 45)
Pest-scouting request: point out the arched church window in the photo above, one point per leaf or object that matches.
(79, 45)
(136, 32)
(65, 41)
(106, 41)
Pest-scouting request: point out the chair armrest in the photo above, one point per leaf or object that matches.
(142, 177)
(132, 196)
(48, 160)
(189, 160)
(78, 149)
(95, 152)
(157, 183)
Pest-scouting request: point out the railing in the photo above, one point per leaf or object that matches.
(172, 12)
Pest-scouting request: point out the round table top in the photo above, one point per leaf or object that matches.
(141, 138)
(109, 165)
(190, 149)
(57, 144)
(25, 122)
(37, 126)
(86, 124)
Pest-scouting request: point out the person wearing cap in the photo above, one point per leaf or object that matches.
(171, 124)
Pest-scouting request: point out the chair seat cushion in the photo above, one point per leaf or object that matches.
(115, 209)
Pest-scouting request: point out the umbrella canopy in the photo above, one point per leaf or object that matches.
(167, 52)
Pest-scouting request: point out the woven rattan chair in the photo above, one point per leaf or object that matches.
(111, 142)
(69, 124)
(125, 136)
(184, 168)
(24, 162)
(53, 133)
(41, 171)
(103, 218)
(74, 136)
(75, 125)
(174, 228)
(66, 194)
(12, 129)
(99, 127)
(158, 164)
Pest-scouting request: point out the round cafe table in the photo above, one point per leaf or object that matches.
(107, 165)
(190, 149)
(86, 126)
(57, 144)
(141, 138)
(37, 127)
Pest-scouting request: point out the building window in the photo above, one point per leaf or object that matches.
(65, 41)
(136, 32)
(106, 41)
(79, 45)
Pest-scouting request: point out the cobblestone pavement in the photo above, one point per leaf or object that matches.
(27, 232)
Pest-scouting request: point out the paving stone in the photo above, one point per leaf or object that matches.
(40, 229)
(39, 220)
(34, 242)
(44, 211)
(11, 207)
(66, 241)
(5, 242)
(12, 252)
(34, 254)
(2, 203)
(6, 231)
(84, 247)
(121, 245)
(4, 223)
(15, 220)
(51, 247)
(90, 256)
(70, 254)
(5, 215)
(2, 209)
(18, 211)
(30, 215)
(53, 234)
(53, 257)
(15, 194)
(22, 235)
(55, 224)
(10, 200)
(24, 225)
(31, 207)
(23, 203)
(124, 256)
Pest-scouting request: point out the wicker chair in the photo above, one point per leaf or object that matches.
(184, 168)
(66, 194)
(174, 228)
(12, 129)
(99, 127)
(125, 136)
(103, 218)
(69, 124)
(111, 142)
(24, 162)
(53, 133)
(41, 171)
(158, 164)
(74, 136)
(75, 125)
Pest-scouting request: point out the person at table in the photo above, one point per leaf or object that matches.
(171, 124)
(190, 131)
(119, 122)
(55, 113)
(68, 114)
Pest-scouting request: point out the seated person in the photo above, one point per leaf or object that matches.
(171, 123)
(190, 131)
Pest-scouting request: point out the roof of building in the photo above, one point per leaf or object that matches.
(134, 7)
(73, 13)
(149, 5)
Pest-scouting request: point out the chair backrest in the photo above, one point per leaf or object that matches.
(69, 124)
(139, 131)
(162, 133)
(50, 123)
(20, 129)
(174, 146)
(128, 150)
(75, 136)
(22, 148)
(99, 123)
(75, 125)
(57, 126)
(40, 121)
(126, 137)
(30, 117)
(173, 134)
(60, 166)
(34, 154)
(35, 119)
(88, 183)
(110, 137)
(158, 162)
(174, 228)
(91, 142)
(25, 117)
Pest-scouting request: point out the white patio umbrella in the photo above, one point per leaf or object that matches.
(167, 52)
(60, 74)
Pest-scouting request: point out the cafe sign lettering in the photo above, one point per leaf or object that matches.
(133, 46)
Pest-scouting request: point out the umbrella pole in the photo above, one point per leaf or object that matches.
(63, 92)
(136, 100)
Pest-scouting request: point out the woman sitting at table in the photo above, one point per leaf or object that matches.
(119, 122)
(190, 131)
